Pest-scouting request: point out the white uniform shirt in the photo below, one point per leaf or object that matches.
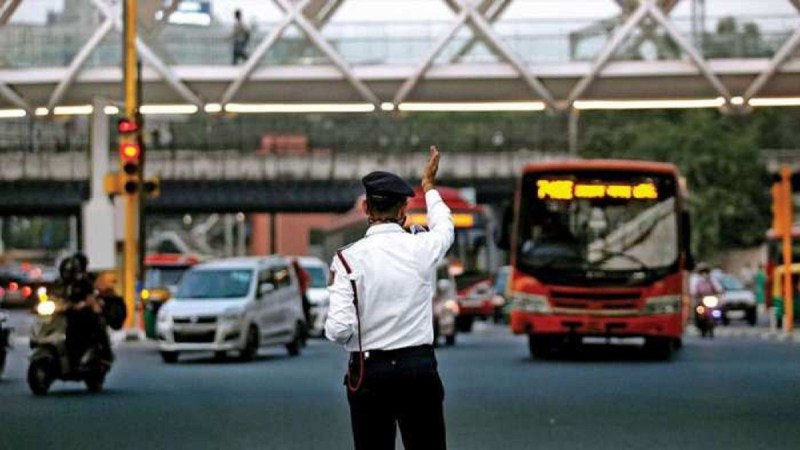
(393, 271)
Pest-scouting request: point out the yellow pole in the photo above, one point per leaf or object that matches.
(788, 298)
(132, 199)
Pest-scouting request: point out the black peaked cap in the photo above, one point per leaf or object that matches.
(386, 184)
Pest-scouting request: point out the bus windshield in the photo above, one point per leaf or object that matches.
(597, 225)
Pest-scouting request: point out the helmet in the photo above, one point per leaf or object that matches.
(82, 260)
(70, 269)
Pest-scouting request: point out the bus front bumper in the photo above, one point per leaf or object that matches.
(663, 325)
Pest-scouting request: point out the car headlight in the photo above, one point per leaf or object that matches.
(452, 305)
(531, 303)
(710, 301)
(46, 308)
(665, 304)
(164, 317)
(231, 316)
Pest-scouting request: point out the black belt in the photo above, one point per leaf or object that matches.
(398, 353)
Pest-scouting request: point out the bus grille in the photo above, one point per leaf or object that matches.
(598, 301)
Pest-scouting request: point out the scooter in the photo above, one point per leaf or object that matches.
(707, 314)
(5, 340)
(50, 359)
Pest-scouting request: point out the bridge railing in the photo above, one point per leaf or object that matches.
(232, 165)
(370, 43)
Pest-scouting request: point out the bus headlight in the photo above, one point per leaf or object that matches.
(711, 301)
(531, 303)
(665, 304)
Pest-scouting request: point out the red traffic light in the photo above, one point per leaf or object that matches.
(127, 126)
(129, 151)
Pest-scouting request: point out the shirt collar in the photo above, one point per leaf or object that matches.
(383, 228)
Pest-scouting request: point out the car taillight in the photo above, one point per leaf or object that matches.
(13, 286)
(26, 291)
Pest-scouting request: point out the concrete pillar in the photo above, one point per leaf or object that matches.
(228, 235)
(573, 130)
(98, 212)
(241, 238)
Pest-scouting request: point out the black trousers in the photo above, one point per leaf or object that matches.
(401, 387)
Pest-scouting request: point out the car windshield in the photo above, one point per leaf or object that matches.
(597, 224)
(318, 276)
(501, 280)
(160, 277)
(730, 283)
(215, 284)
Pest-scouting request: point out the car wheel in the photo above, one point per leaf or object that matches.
(40, 376)
(725, 320)
(169, 357)
(220, 356)
(464, 323)
(450, 340)
(297, 341)
(3, 354)
(752, 316)
(248, 353)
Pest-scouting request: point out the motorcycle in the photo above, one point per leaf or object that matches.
(50, 359)
(706, 315)
(5, 340)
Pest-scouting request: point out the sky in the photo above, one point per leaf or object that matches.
(35, 11)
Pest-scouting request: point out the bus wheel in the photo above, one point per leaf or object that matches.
(659, 348)
(540, 346)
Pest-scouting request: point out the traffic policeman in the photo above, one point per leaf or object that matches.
(381, 310)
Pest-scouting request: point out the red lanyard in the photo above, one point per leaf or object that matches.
(360, 379)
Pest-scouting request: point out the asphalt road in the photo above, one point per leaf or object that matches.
(729, 393)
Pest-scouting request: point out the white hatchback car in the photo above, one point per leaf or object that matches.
(237, 304)
(318, 297)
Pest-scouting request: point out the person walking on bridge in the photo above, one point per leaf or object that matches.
(381, 311)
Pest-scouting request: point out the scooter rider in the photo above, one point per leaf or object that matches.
(83, 309)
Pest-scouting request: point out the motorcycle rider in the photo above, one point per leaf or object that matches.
(703, 285)
(83, 310)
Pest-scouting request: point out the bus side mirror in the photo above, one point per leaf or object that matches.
(686, 240)
(502, 235)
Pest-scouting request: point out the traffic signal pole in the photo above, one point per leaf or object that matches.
(786, 235)
(130, 247)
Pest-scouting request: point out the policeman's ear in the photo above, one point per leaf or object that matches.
(365, 207)
(401, 213)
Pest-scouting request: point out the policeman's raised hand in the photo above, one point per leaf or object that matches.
(431, 167)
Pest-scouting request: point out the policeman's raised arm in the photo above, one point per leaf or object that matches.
(441, 233)
(341, 321)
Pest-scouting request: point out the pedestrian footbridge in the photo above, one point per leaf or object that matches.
(634, 54)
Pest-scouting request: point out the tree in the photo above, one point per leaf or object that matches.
(718, 155)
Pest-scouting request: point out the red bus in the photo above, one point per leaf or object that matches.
(469, 258)
(598, 249)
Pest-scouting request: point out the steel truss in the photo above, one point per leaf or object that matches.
(310, 16)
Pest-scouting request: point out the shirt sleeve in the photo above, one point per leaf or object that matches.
(341, 322)
(435, 243)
